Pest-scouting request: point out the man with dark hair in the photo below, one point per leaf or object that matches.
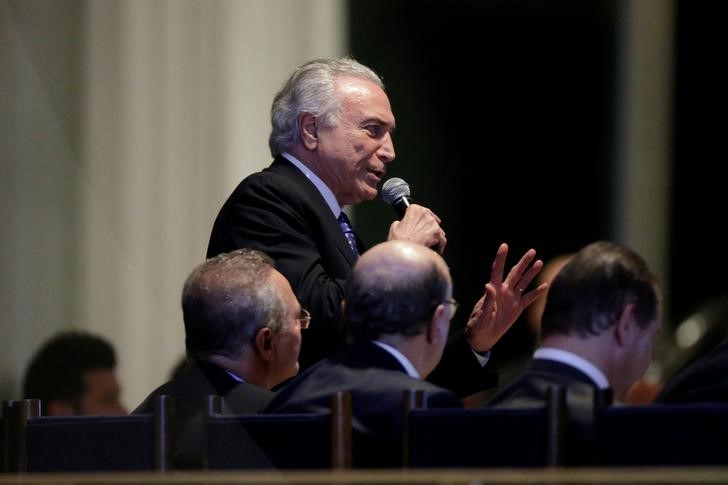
(243, 336)
(599, 325)
(73, 373)
(398, 306)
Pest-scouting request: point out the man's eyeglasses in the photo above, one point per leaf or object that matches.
(454, 303)
(304, 319)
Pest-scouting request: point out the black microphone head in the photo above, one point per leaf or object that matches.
(394, 189)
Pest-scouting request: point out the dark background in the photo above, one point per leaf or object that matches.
(506, 128)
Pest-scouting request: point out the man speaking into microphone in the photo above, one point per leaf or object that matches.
(331, 141)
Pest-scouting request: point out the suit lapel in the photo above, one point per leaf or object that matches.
(329, 223)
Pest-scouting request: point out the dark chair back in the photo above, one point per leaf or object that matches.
(15, 414)
(101, 443)
(662, 434)
(487, 437)
(280, 441)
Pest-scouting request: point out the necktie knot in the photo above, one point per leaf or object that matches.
(346, 228)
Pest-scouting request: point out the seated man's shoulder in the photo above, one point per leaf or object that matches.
(246, 398)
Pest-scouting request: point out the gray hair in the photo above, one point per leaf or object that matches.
(311, 89)
(226, 300)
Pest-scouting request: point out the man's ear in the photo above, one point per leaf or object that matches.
(625, 324)
(265, 343)
(309, 130)
(436, 331)
(58, 407)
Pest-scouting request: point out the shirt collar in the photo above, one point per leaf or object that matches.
(404, 361)
(570, 358)
(239, 379)
(324, 189)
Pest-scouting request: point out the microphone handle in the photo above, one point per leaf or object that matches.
(400, 206)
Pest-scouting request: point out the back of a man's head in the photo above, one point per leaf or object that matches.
(225, 300)
(394, 289)
(589, 292)
(73, 373)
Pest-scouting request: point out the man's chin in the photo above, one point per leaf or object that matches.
(364, 196)
(370, 194)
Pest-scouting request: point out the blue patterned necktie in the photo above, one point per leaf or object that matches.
(345, 226)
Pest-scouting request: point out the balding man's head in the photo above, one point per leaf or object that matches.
(394, 289)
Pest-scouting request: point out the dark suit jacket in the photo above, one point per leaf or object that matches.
(706, 379)
(190, 391)
(582, 398)
(280, 212)
(377, 382)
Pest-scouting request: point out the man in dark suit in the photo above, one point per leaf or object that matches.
(243, 336)
(703, 380)
(331, 141)
(598, 329)
(398, 308)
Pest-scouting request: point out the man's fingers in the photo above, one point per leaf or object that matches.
(528, 276)
(534, 294)
(518, 270)
(496, 272)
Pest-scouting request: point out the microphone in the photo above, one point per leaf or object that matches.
(396, 192)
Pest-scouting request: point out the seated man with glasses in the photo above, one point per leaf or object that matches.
(243, 337)
(398, 306)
